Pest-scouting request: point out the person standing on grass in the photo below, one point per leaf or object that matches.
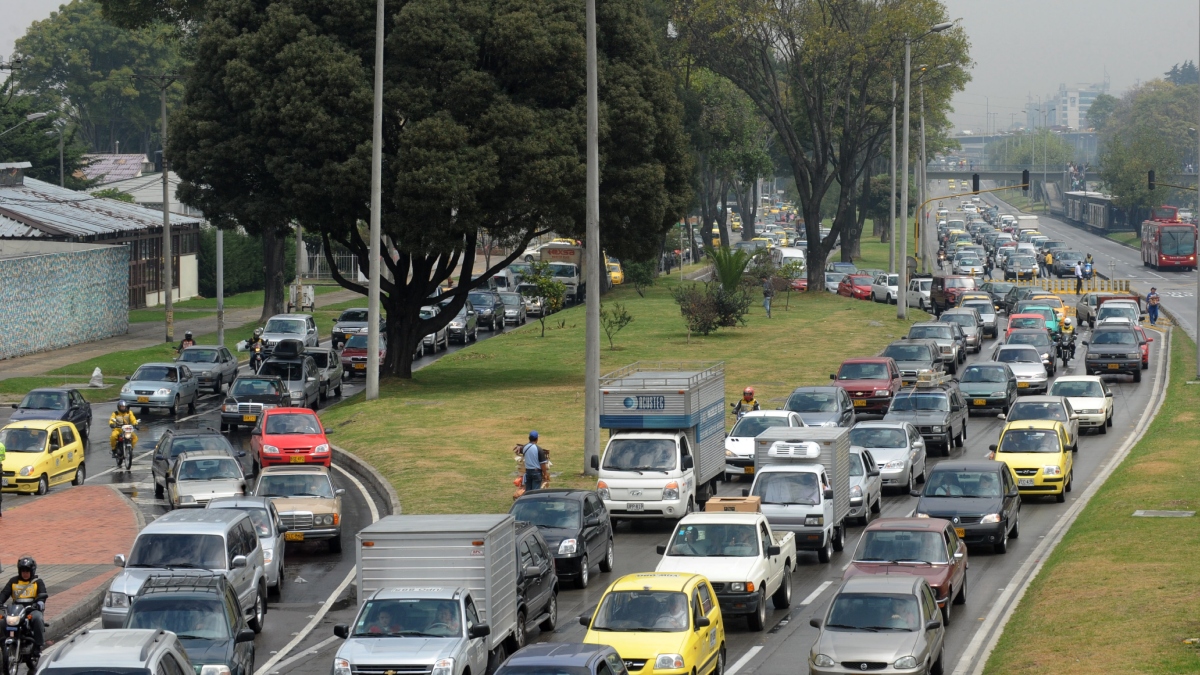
(533, 462)
(768, 293)
(1152, 300)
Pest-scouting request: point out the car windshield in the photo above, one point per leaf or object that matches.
(294, 485)
(983, 308)
(960, 283)
(155, 374)
(833, 277)
(749, 427)
(984, 374)
(562, 270)
(284, 326)
(1035, 410)
(353, 316)
(1049, 301)
(427, 313)
(169, 550)
(1035, 339)
(357, 342)
(901, 546)
(860, 281)
(409, 617)
(787, 487)
(920, 401)
(968, 261)
(1029, 355)
(811, 402)
(188, 618)
(246, 387)
(198, 356)
(714, 540)
(482, 299)
(1044, 312)
(219, 468)
(511, 298)
(182, 444)
(878, 437)
(874, 612)
(1177, 241)
(962, 484)
(640, 454)
(563, 514)
(935, 332)
(903, 352)
(258, 517)
(863, 371)
(1029, 440)
(1023, 260)
(642, 611)
(964, 320)
(1026, 322)
(1109, 311)
(23, 440)
(45, 400)
(293, 423)
(1077, 389)
(1114, 337)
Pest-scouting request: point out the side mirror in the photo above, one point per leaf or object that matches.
(814, 622)
(341, 630)
(702, 622)
(159, 458)
(119, 560)
(256, 432)
(595, 462)
(479, 630)
(773, 550)
(1084, 341)
(591, 521)
(992, 448)
(14, 406)
(241, 453)
(745, 492)
(531, 571)
(128, 377)
(245, 635)
(585, 620)
(833, 376)
(1014, 493)
(828, 493)
(1108, 394)
(312, 379)
(339, 492)
(873, 472)
(329, 431)
(958, 556)
(238, 562)
(1149, 339)
(914, 493)
(661, 549)
(688, 463)
(933, 625)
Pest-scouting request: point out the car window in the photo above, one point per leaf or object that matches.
(706, 601)
(234, 546)
(68, 436)
(472, 615)
(525, 553)
(931, 608)
(603, 669)
(169, 665)
(614, 662)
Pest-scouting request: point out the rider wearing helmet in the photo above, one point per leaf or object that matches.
(27, 589)
(187, 341)
(121, 416)
(747, 403)
(256, 339)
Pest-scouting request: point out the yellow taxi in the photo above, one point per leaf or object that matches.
(616, 274)
(1054, 302)
(1038, 453)
(950, 183)
(766, 242)
(782, 234)
(40, 454)
(661, 623)
(973, 295)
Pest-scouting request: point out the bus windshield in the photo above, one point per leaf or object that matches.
(1178, 241)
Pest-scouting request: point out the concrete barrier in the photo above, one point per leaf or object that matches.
(367, 473)
(1093, 285)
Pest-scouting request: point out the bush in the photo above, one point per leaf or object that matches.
(243, 262)
(641, 275)
(730, 306)
(697, 307)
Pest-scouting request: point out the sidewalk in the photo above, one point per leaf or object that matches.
(140, 335)
(73, 534)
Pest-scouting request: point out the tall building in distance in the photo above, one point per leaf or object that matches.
(1065, 109)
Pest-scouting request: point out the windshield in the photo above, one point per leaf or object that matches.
(1033, 410)
(1078, 389)
(786, 487)
(714, 540)
(640, 454)
(23, 440)
(749, 427)
(182, 444)
(920, 401)
(964, 320)
(294, 485)
(513, 299)
(904, 352)
(293, 423)
(901, 546)
(320, 358)
(155, 374)
(427, 313)
(353, 316)
(1177, 241)
(482, 299)
(562, 270)
(1035, 339)
(244, 387)
(958, 282)
(878, 437)
(935, 332)
(874, 612)
(1044, 312)
(208, 469)
(863, 371)
(409, 617)
(984, 374)
(642, 611)
(1029, 440)
(45, 400)
(198, 356)
(188, 618)
(201, 551)
(969, 261)
(357, 342)
(1018, 356)
(1114, 337)
(1026, 322)
(963, 484)
(563, 514)
(984, 308)
(811, 402)
(285, 326)
(1109, 311)
(833, 277)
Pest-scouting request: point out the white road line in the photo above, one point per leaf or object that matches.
(311, 651)
(361, 488)
(107, 471)
(816, 594)
(744, 660)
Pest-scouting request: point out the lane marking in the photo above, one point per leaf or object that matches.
(311, 651)
(815, 594)
(744, 660)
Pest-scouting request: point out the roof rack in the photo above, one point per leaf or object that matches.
(929, 379)
(172, 582)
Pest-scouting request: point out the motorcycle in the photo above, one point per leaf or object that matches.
(18, 638)
(739, 413)
(256, 357)
(1066, 348)
(124, 450)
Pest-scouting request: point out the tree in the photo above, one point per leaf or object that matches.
(1183, 74)
(540, 283)
(641, 275)
(1101, 109)
(36, 142)
(729, 266)
(1034, 149)
(113, 193)
(613, 319)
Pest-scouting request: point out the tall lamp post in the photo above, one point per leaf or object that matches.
(591, 394)
(927, 253)
(892, 195)
(31, 117)
(372, 387)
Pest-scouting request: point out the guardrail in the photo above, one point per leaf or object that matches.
(1093, 285)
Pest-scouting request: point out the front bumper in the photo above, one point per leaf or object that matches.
(19, 484)
(736, 604)
(986, 402)
(318, 533)
(568, 566)
(152, 401)
(872, 405)
(1041, 485)
(1101, 365)
(1092, 420)
(1031, 386)
(458, 334)
(894, 477)
(283, 459)
(513, 318)
(674, 508)
(739, 466)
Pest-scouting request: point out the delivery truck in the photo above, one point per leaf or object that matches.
(802, 475)
(567, 264)
(666, 447)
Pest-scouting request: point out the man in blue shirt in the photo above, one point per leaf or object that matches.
(533, 463)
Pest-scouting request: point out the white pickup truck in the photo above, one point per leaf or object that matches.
(743, 559)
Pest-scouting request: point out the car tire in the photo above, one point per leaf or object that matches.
(938, 667)
(825, 553)
(946, 612)
(1070, 481)
(758, 620)
(159, 491)
(839, 538)
(174, 410)
(551, 621)
(961, 598)
(335, 544)
(1137, 376)
(220, 383)
(1145, 365)
(1015, 530)
(43, 485)
(338, 389)
(260, 609)
(1002, 545)
(192, 406)
(520, 636)
(84, 433)
(475, 333)
(873, 298)
(585, 573)
(80, 474)
(610, 558)
(782, 599)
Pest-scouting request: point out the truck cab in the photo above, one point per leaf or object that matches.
(648, 474)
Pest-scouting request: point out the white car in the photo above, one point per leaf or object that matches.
(918, 293)
(866, 487)
(1090, 397)
(739, 444)
(885, 288)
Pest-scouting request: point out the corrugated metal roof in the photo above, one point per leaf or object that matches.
(107, 167)
(59, 212)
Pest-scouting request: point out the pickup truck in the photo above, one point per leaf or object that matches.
(744, 560)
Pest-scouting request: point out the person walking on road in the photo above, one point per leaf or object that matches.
(533, 462)
(768, 293)
(1046, 265)
(1152, 305)
(1078, 277)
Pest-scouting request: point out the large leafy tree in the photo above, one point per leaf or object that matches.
(36, 142)
(483, 134)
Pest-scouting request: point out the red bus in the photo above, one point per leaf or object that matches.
(1167, 242)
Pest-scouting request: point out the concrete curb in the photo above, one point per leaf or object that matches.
(367, 473)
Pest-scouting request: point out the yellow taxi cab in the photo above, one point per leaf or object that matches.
(950, 183)
(782, 234)
(562, 240)
(973, 295)
(616, 274)
(1054, 302)
(736, 224)
(40, 454)
(662, 623)
(1039, 455)
(766, 242)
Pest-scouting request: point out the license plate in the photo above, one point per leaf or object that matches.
(4, 482)
(1022, 385)
(297, 459)
(360, 366)
(748, 469)
(960, 532)
(635, 507)
(249, 418)
(1113, 366)
(860, 404)
(293, 536)
(980, 401)
(143, 399)
(1024, 482)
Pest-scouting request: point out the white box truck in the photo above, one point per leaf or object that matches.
(666, 446)
(567, 264)
(450, 577)
(802, 475)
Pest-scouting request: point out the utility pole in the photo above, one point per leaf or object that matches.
(902, 262)
(220, 287)
(1197, 333)
(372, 388)
(892, 195)
(163, 81)
(591, 380)
(922, 221)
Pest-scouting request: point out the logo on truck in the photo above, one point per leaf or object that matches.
(646, 402)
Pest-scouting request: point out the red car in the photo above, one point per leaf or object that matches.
(1146, 340)
(871, 383)
(857, 286)
(289, 436)
(800, 284)
(354, 354)
(927, 547)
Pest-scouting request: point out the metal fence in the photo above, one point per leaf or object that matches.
(347, 265)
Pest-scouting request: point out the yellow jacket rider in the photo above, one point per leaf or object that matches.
(121, 416)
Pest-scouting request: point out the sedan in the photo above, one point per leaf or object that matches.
(924, 547)
(968, 265)
(514, 308)
(248, 396)
(289, 436)
(857, 286)
(978, 496)
(270, 532)
(1038, 339)
(350, 322)
(62, 404)
(162, 385)
(1090, 397)
(1048, 408)
(822, 406)
(988, 386)
(490, 307)
(576, 527)
(898, 450)
(1026, 364)
(866, 488)
(563, 657)
(971, 327)
(212, 366)
(309, 506)
(197, 477)
(987, 315)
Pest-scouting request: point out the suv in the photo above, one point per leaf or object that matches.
(871, 382)
(118, 651)
(913, 356)
(302, 327)
(944, 292)
(350, 322)
(1114, 349)
(249, 396)
(537, 582)
(175, 442)
(936, 408)
(949, 349)
(299, 374)
(329, 371)
(213, 366)
(221, 541)
(489, 309)
(202, 610)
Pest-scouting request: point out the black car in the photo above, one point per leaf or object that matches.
(575, 525)
(202, 610)
(567, 658)
(489, 309)
(979, 497)
(176, 441)
(56, 404)
(537, 584)
(988, 385)
(248, 396)
(1114, 349)
(1016, 294)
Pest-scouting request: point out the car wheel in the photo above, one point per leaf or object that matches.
(1108, 422)
(946, 612)
(1002, 545)
(475, 333)
(192, 406)
(1104, 427)
(43, 485)
(335, 544)
(606, 565)
(1137, 376)
(719, 669)
(551, 620)
(585, 574)
(520, 634)
(908, 485)
(1145, 365)
(782, 599)
(84, 433)
(961, 598)
(80, 474)
(938, 667)
(825, 553)
(338, 389)
(174, 408)
(1015, 530)
(873, 298)
(260, 610)
(1070, 482)
(217, 387)
(758, 620)
(839, 538)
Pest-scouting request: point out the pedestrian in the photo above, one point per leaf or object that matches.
(535, 461)
(988, 263)
(1152, 305)
(1078, 277)
(1047, 265)
(768, 293)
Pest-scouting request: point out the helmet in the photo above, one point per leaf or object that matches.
(122, 406)
(188, 335)
(27, 563)
(748, 393)
(258, 332)
(1067, 322)
(533, 435)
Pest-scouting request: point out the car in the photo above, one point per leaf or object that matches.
(41, 454)
(833, 280)
(1119, 310)
(329, 371)
(202, 610)
(968, 264)
(196, 477)
(1039, 339)
(871, 382)
(438, 339)
(1048, 408)
(979, 496)
(918, 293)
(563, 657)
(822, 406)
(970, 324)
(1025, 321)
(289, 436)
(944, 291)
(1026, 364)
(354, 354)
(308, 504)
(350, 322)
(1114, 350)
(885, 288)
(1089, 303)
(929, 548)
(535, 305)
(857, 286)
(936, 408)
(212, 366)
(248, 397)
(161, 385)
(1015, 295)
(739, 442)
(1064, 263)
(270, 530)
(302, 327)
(1146, 340)
(893, 620)
(177, 441)
(898, 451)
(489, 307)
(464, 327)
(986, 311)
(615, 274)
(1046, 311)
(1090, 397)
(514, 308)
(914, 356)
(117, 651)
(949, 350)
(662, 622)
(842, 267)
(866, 486)
(1039, 456)
(298, 372)
(536, 581)
(1053, 302)
(1020, 266)
(988, 385)
(576, 527)
(56, 403)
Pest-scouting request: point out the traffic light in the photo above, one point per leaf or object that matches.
(975, 182)
(1150, 179)
(1025, 180)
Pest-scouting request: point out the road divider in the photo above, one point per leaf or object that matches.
(352, 464)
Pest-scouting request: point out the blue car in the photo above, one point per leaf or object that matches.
(557, 658)
(162, 385)
(56, 403)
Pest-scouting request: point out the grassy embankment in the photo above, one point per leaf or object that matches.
(199, 308)
(14, 389)
(1132, 239)
(444, 438)
(1119, 593)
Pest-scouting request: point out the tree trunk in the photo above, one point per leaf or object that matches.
(274, 295)
(861, 217)
(816, 248)
(723, 216)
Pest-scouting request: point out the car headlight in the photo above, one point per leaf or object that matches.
(268, 555)
(187, 499)
(442, 667)
(125, 389)
(671, 491)
(602, 490)
(163, 392)
(567, 547)
(668, 662)
(894, 464)
(26, 470)
(115, 599)
(856, 492)
(937, 430)
(1135, 355)
(296, 394)
(214, 669)
(270, 450)
(814, 521)
(990, 518)
(456, 324)
(883, 392)
(229, 407)
(321, 449)
(906, 662)
(920, 515)
(1089, 412)
(829, 423)
(737, 587)
(729, 453)
(1052, 470)
(341, 667)
(822, 661)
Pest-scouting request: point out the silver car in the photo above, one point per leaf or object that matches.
(832, 279)
(968, 321)
(514, 308)
(898, 449)
(438, 339)
(880, 620)
(534, 304)
(329, 371)
(866, 489)
(1026, 364)
(968, 265)
(270, 531)
(195, 478)
(290, 327)
(213, 366)
(162, 385)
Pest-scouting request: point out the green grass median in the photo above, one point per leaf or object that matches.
(14, 389)
(124, 362)
(444, 438)
(1119, 593)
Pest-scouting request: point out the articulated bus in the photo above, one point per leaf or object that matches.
(1167, 242)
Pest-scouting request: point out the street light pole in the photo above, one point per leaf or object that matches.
(372, 388)
(922, 219)
(1197, 332)
(892, 194)
(169, 268)
(591, 394)
(902, 266)
(220, 287)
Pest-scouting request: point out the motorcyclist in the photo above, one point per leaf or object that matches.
(256, 340)
(747, 403)
(121, 416)
(187, 341)
(27, 589)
